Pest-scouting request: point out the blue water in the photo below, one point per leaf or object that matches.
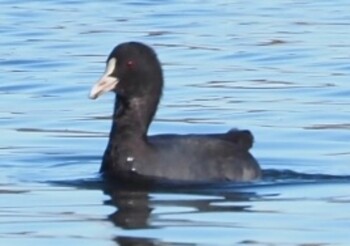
(278, 68)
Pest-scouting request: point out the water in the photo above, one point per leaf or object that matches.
(278, 68)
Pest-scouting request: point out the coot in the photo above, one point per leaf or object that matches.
(134, 73)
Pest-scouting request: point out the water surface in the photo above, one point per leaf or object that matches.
(278, 68)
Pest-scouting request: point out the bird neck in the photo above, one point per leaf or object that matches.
(132, 117)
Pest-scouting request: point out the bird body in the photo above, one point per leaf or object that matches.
(134, 73)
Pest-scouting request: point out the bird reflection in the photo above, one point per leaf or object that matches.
(132, 241)
(135, 208)
(132, 206)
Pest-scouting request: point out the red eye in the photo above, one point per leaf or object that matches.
(130, 63)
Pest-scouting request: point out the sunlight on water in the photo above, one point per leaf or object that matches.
(278, 68)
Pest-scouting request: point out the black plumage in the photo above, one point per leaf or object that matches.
(134, 73)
